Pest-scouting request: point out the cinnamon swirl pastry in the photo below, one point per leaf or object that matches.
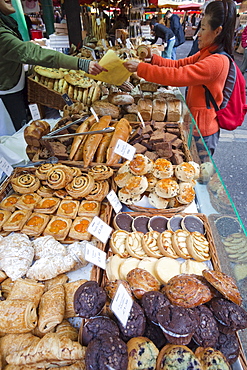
(75, 171)
(80, 186)
(59, 177)
(100, 172)
(99, 191)
(42, 170)
(45, 191)
(25, 183)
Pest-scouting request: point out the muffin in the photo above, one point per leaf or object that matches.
(178, 323)
(212, 359)
(228, 344)
(97, 326)
(152, 302)
(177, 357)
(155, 334)
(142, 354)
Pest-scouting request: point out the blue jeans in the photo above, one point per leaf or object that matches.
(174, 53)
(167, 53)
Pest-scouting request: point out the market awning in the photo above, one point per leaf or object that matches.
(190, 6)
(167, 4)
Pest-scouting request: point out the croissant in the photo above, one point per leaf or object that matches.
(65, 329)
(17, 316)
(50, 351)
(27, 289)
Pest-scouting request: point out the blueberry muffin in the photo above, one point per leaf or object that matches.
(212, 359)
(177, 357)
(142, 354)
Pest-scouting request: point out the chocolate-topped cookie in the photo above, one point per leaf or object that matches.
(135, 324)
(89, 299)
(207, 332)
(230, 316)
(193, 223)
(152, 302)
(174, 223)
(123, 221)
(158, 223)
(228, 344)
(105, 353)
(96, 327)
(178, 323)
(140, 223)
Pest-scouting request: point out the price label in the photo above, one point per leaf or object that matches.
(98, 21)
(5, 166)
(103, 43)
(110, 43)
(125, 150)
(67, 99)
(94, 114)
(119, 40)
(95, 255)
(34, 110)
(121, 304)
(99, 229)
(114, 201)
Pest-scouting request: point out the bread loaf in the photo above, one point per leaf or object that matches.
(120, 98)
(34, 132)
(148, 86)
(159, 110)
(145, 107)
(174, 110)
(103, 108)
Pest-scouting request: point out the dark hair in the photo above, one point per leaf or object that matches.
(222, 13)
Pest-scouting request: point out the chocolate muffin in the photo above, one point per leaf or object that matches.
(152, 302)
(158, 223)
(207, 332)
(153, 332)
(136, 323)
(106, 352)
(96, 327)
(89, 299)
(123, 221)
(230, 316)
(228, 344)
(178, 323)
(140, 223)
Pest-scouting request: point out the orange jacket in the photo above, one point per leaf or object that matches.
(202, 68)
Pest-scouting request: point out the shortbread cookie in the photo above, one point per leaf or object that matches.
(192, 267)
(166, 268)
(165, 244)
(112, 267)
(162, 168)
(180, 241)
(118, 243)
(150, 244)
(127, 265)
(140, 165)
(198, 246)
(167, 188)
(134, 244)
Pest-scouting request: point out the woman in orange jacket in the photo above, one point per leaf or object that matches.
(206, 67)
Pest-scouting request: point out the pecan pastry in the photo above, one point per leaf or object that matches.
(80, 186)
(25, 183)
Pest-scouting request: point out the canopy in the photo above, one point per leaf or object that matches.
(190, 6)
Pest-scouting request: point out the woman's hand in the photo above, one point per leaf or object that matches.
(95, 68)
(131, 65)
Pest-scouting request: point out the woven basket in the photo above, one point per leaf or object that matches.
(166, 211)
(40, 94)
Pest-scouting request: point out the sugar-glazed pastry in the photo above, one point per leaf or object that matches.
(198, 246)
(80, 186)
(47, 246)
(134, 244)
(163, 168)
(118, 243)
(36, 224)
(9, 203)
(136, 185)
(25, 183)
(140, 165)
(58, 227)
(122, 178)
(16, 221)
(186, 193)
(41, 171)
(180, 241)
(4, 215)
(89, 208)
(68, 208)
(184, 171)
(152, 180)
(167, 188)
(150, 245)
(99, 191)
(156, 201)
(165, 244)
(79, 228)
(126, 198)
(141, 281)
(47, 205)
(100, 172)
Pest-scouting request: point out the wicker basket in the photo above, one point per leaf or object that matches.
(153, 211)
(40, 94)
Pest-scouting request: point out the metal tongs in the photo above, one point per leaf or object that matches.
(104, 131)
(82, 119)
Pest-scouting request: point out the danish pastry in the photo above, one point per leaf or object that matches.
(17, 220)
(68, 208)
(4, 215)
(28, 201)
(47, 205)
(100, 172)
(9, 203)
(58, 227)
(79, 228)
(42, 170)
(36, 224)
(58, 177)
(99, 191)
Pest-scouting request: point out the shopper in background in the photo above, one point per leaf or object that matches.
(167, 36)
(15, 53)
(206, 67)
(177, 29)
(243, 66)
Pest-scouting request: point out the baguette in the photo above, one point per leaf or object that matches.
(122, 131)
(103, 146)
(85, 126)
(92, 141)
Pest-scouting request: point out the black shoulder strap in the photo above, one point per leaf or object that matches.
(210, 99)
